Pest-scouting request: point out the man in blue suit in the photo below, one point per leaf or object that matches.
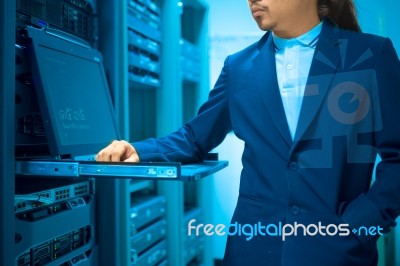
(314, 101)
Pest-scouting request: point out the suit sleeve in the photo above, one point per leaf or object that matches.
(380, 206)
(201, 134)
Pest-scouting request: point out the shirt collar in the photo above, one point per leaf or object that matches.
(308, 39)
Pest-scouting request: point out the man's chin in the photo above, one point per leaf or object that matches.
(265, 26)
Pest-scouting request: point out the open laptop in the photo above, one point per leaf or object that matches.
(78, 116)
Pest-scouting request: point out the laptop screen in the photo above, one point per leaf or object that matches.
(73, 95)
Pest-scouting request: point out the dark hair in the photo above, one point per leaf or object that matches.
(341, 12)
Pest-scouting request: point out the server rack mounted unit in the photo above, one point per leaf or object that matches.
(75, 17)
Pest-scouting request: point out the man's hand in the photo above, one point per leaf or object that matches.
(118, 151)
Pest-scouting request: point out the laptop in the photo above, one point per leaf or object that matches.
(79, 119)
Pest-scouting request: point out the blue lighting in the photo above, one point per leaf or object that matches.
(42, 23)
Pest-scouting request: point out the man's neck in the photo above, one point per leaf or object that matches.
(298, 29)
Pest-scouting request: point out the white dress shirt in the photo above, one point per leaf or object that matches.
(293, 62)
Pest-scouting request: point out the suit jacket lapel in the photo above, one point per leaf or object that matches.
(265, 70)
(324, 66)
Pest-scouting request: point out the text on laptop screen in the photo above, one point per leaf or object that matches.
(78, 102)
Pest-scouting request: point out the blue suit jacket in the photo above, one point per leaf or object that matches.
(350, 113)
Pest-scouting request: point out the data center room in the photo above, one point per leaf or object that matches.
(77, 74)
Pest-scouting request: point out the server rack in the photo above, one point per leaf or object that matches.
(154, 94)
(54, 221)
(108, 208)
(7, 41)
(56, 224)
(195, 87)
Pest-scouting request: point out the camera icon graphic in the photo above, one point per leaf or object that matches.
(349, 108)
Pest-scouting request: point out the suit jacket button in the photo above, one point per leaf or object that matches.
(295, 210)
(294, 166)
